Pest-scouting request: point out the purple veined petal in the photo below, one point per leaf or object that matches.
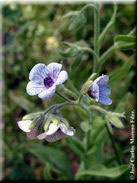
(47, 93)
(52, 129)
(32, 134)
(63, 76)
(38, 70)
(54, 70)
(56, 136)
(104, 91)
(34, 88)
(95, 91)
(38, 80)
(102, 80)
(41, 136)
(68, 131)
(105, 100)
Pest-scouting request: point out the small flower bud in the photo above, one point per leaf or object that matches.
(114, 120)
(86, 86)
(56, 127)
(31, 116)
(31, 124)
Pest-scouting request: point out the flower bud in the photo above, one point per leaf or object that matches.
(32, 116)
(56, 127)
(114, 120)
(31, 124)
(86, 86)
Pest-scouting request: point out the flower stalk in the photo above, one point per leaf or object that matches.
(96, 35)
(113, 145)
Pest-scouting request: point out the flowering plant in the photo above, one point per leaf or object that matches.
(80, 82)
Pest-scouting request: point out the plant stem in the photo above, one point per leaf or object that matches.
(105, 56)
(113, 145)
(69, 92)
(50, 108)
(96, 36)
(65, 98)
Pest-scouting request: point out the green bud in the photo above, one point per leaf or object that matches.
(32, 126)
(56, 119)
(51, 119)
(114, 120)
(85, 126)
(86, 86)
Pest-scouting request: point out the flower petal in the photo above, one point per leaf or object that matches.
(38, 70)
(34, 88)
(41, 136)
(56, 136)
(104, 91)
(48, 93)
(32, 134)
(38, 80)
(105, 101)
(63, 76)
(52, 129)
(102, 80)
(68, 131)
(95, 91)
(54, 70)
(25, 125)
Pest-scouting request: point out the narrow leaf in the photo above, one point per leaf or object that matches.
(103, 171)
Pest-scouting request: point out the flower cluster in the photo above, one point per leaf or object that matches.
(50, 128)
(43, 82)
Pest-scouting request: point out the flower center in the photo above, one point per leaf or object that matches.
(91, 94)
(48, 82)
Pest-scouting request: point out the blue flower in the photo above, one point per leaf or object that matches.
(100, 91)
(44, 79)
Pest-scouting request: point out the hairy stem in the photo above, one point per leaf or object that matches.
(113, 145)
(65, 98)
(96, 35)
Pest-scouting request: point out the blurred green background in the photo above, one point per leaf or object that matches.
(35, 34)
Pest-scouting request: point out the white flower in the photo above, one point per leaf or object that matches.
(44, 79)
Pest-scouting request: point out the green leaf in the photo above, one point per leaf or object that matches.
(125, 41)
(74, 49)
(123, 103)
(121, 72)
(100, 170)
(77, 22)
(76, 146)
(21, 101)
(69, 52)
(56, 158)
(71, 13)
(124, 38)
(47, 174)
